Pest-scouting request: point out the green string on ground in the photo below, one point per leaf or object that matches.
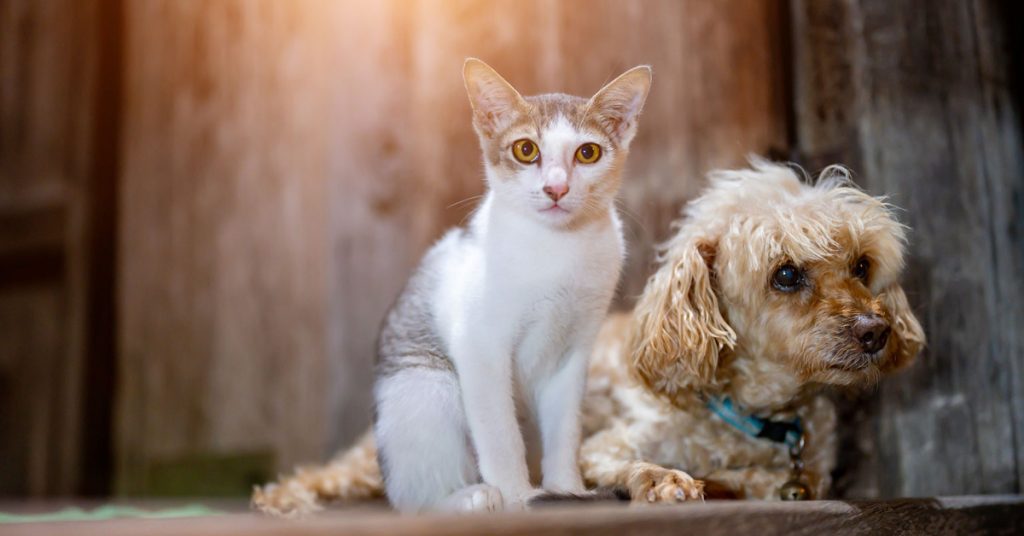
(110, 512)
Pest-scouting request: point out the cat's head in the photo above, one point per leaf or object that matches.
(556, 158)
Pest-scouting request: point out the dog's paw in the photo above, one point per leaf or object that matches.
(650, 483)
(289, 500)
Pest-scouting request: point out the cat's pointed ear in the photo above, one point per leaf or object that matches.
(495, 102)
(617, 106)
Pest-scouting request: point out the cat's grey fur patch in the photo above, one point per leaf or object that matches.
(408, 337)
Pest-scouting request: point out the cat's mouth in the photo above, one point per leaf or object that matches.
(555, 209)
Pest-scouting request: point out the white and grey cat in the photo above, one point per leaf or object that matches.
(490, 339)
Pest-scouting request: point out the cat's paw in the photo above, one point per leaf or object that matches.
(651, 483)
(516, 501)
(475, 498)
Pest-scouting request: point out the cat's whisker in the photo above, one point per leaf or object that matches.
(470, 214)
(620, 205)
(464, 201)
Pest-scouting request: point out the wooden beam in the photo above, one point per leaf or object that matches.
(933, 517)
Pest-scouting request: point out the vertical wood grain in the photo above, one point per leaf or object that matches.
(224, 237)
(917, 98)
(48, 89)
(286, 165)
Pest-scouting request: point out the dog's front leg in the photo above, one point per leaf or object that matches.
(608, 459)
(819, 454)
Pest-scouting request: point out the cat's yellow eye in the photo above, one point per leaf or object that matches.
(525, 151)
(588, 153)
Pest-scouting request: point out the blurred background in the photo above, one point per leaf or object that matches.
(207, 206)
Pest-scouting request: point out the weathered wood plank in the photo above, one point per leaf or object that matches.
(917, 97)
(224, 236)
(48, 90)
(30, 399)
(932, 517)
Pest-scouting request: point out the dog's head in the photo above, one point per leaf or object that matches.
(782, 275)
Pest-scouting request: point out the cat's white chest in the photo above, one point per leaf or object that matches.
(527, 290)
(555, 287)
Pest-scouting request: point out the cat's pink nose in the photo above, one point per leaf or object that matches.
(556, 191)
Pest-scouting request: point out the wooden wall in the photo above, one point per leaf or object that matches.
(286, 164)
(56, 186)
(281, 166)
(918, 97)
(225, 234)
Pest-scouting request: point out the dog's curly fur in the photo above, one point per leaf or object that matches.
(710, 323)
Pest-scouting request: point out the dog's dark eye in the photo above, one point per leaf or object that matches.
(862, 269)
(787, 278)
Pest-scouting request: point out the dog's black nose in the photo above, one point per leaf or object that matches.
(871, 331)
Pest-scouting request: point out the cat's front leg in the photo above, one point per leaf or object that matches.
(559, 416)
(485, 377)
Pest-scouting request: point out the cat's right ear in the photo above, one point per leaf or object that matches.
(495, 102)
(617, 106)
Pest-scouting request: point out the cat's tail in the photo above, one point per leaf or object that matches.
(351, 476)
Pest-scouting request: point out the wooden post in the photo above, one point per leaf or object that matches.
(57, 178)
(917, 98)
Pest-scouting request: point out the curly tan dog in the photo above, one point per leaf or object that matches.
(771, 290)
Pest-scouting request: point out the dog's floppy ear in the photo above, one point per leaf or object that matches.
(678, 330)
(905, 327)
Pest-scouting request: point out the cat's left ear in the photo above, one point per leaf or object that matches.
(495, 102)
(617, 106)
